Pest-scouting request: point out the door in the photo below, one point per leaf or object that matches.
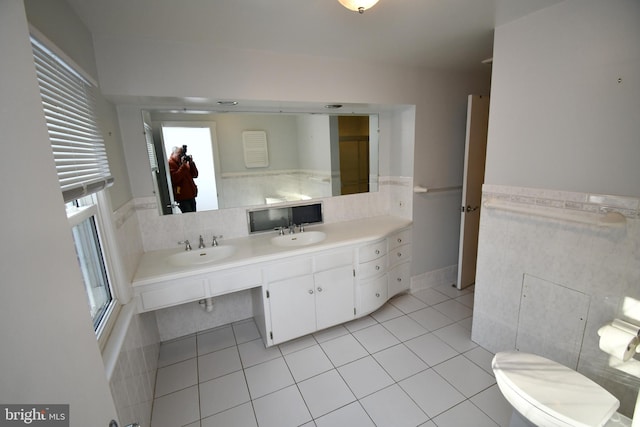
(474, 162)
(293, 308)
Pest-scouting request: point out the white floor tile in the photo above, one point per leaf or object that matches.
(242, 415)
(386, 312)
(223, 393)
(440, 372)
(457, 337)
(351, 415)
(297, 344)
(407, 303)
(404, 328)
(343, 350)
(492, 402)
(330, 333)
(254, 352)
(481, 357)
(375, 338)
(431, 392)
(245, 331)
(218, 363)
(361, 323)
(308, 362)
(454, 310)
(430, 318)
(176, 409)
(465, 375)
(284, 408)
(465, 414)
(451, 291)
(216, 339)
(430, 296)
(365, 376)
(176, 377)
(431, 349)
(325, 393)
(400, 362)
(268, 377)
(391, 407)
(177, 351)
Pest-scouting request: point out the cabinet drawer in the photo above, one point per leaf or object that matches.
(399, 279)
(372, 251)
(401, 238)
(285, 270)
(333, 260)
(372, 268)
(177, 292)
(400, 254)
(235, 281)
(371, 295)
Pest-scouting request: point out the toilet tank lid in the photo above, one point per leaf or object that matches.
(553, 388)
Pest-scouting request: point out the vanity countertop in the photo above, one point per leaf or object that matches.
(154, 267)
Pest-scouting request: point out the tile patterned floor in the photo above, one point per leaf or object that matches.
(411, 363)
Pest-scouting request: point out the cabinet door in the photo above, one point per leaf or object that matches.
(292, 306)
(334, 296)
(399, 279)
(371, 295)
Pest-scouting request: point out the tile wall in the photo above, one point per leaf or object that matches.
(550, 274)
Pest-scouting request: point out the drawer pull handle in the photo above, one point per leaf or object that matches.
(377, 251)
(319, 289)
(310, 291)
(377, 294)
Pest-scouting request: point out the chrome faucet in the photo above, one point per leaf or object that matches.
(201, 245)
(187, 245)
(215, 240)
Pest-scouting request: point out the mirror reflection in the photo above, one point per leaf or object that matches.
(253, 159)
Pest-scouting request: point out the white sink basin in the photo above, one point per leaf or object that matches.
(299, 239)
(200, 256)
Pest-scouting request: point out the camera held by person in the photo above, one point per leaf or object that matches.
(185, 158)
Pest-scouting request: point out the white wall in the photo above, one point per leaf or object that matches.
(432, 119)
(562, 128)
(559, 117)
(44, 318)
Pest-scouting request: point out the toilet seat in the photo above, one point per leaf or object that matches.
(549, 394)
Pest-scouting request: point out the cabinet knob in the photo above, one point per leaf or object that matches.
(399, 279)
(377, 267)
(377, 294)
(319, 289)
(399, 254)
(399, 240)
(377, 251)
(310, 291)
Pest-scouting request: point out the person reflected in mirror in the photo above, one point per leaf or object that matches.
(183, 171)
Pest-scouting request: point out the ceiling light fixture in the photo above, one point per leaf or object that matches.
(358, 5)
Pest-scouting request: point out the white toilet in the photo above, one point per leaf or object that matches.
(544, 393)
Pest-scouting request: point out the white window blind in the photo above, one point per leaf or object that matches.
(69, 107)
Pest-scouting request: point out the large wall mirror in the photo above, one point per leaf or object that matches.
(250, 159)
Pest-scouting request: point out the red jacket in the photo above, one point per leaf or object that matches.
(182, 179)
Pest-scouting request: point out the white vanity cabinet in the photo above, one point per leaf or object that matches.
(308, 293)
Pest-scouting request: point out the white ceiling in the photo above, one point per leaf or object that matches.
(450, 34)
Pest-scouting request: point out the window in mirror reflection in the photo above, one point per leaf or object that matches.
(199, 139)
